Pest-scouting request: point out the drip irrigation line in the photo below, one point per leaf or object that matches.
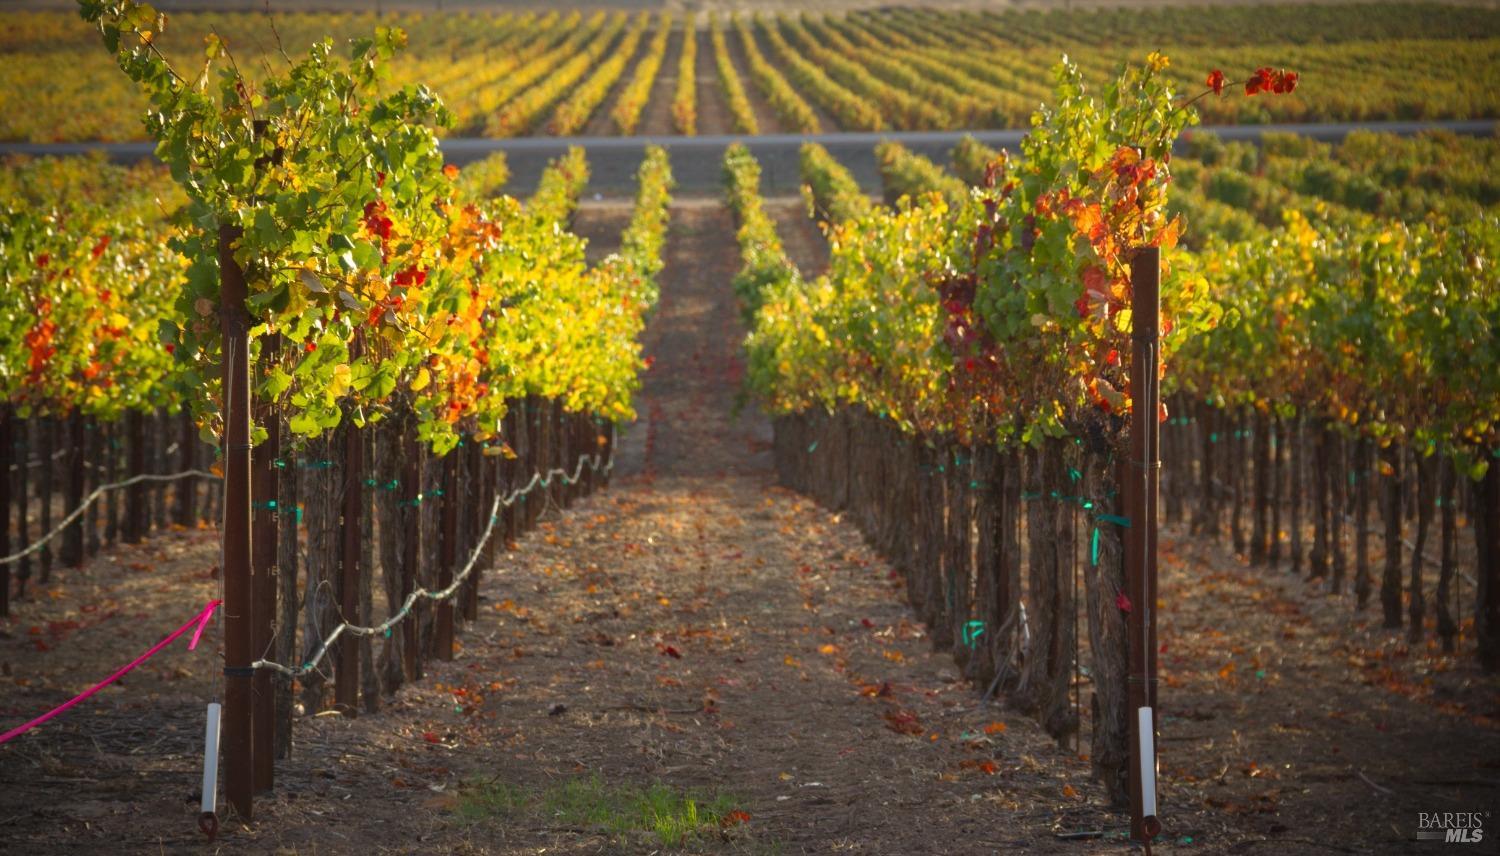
(90, 499)
(593, 462)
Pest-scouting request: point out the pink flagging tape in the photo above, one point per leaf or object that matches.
(200, 620)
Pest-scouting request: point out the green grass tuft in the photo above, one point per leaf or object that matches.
(675, 817)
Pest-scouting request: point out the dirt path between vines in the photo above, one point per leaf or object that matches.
(697, 626)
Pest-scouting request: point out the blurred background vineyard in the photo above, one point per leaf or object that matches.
(508, 72)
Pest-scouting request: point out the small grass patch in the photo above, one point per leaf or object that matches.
(674, 816)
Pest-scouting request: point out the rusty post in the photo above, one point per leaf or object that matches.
(265, 487)
(346, 676)
(484, 482)
(238, 740)
(411, 544)
(136, 520)
(442, 637)
(1141, 488)
(185, 512)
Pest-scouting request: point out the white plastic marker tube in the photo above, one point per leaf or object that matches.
(211, 760)
(1147, 758)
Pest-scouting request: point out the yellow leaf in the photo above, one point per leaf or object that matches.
(421, 381)
(340, 383)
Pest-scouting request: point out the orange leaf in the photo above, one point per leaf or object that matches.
(994, 728)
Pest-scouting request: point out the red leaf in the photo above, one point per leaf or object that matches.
(430, 736)
(1122, 602)
(735, 817)
(903, 722)
(1216, 81)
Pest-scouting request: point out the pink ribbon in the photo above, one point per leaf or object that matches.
(201, 620)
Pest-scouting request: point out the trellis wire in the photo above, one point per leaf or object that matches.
(89, 500)
(594, 462)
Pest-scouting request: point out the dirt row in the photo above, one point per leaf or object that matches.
(697, 628)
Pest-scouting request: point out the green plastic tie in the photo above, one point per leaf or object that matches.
(813, 447)
(268, 505)
(1094, 548)
(972, 630)
(1115, 519)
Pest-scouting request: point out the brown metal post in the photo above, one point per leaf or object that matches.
(239, 774)
(187, 449)
(264, 543)
(72, 546)
(484, 476)
(411, 527)
(1140, 491)
(136, 520)
(346, 677)
(442, 637)
(509, 434)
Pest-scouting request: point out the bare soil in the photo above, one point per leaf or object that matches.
(800, 235)
(826, 122)
(602, 123)
(765, 116)
(713, 111)
(656, 119)
(697, 625)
